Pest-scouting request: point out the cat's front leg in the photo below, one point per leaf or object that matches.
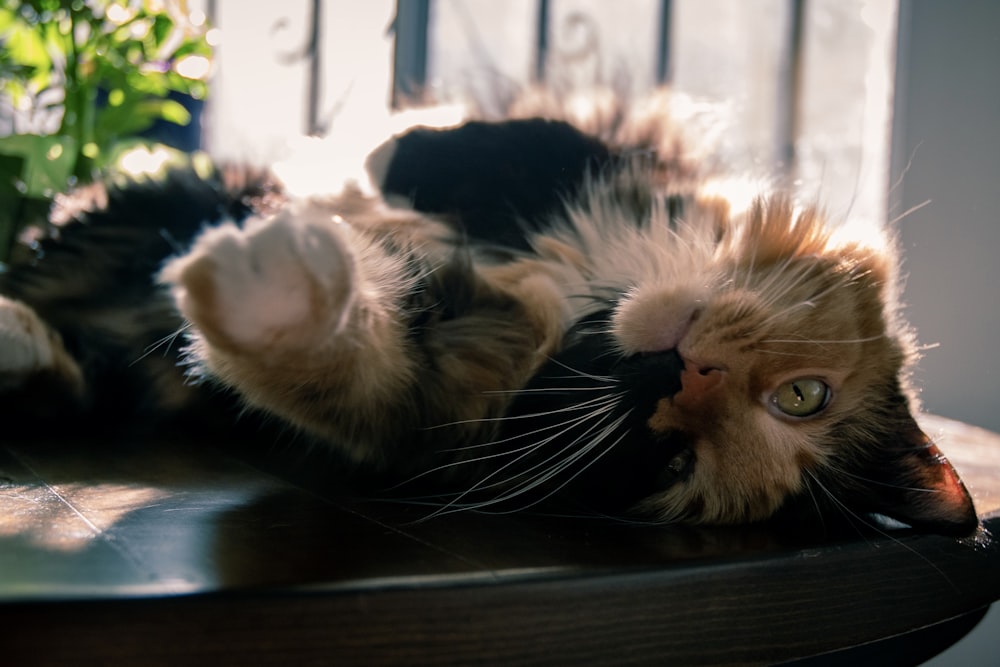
(37, 374)
(299, 314)
(25, 343)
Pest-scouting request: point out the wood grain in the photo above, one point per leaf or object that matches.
(169, 552)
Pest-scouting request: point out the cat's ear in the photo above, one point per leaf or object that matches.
(922, 488)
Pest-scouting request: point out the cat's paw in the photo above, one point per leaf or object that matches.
(286, 281)
(25, 344)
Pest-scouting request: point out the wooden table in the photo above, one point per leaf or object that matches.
(184, 554)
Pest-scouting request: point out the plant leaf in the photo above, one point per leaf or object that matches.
(25, 46)
(48, 161)
(171, 111)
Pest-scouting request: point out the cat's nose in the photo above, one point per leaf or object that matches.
(700, 385)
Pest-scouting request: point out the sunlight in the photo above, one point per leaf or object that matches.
(71, 530)
(342, 153)
(142, 161)
(193, 67)
(738, 191)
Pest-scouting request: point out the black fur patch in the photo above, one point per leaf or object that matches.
(496, 181)
(92, 280)
(629, 461)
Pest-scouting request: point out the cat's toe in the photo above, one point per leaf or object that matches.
(280, 281)
(25, 347)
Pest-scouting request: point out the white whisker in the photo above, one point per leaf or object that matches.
(564, 463)
(849, 513)
(803, 355)
(543, 390)
(609, 403)
(568, 426)
(486, 420)
(167, 340)
(579, 472)
(817, 341)
(485, 483)
(867, 480)
(912, 209)
(600, 378)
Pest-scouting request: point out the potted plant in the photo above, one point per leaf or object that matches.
(82, 80)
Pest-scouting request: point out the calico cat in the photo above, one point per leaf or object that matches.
(524, 311)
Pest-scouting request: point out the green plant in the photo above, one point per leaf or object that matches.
(82, 78)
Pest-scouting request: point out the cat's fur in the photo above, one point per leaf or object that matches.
(547, 316)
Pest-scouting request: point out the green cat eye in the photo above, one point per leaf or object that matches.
(804, 397)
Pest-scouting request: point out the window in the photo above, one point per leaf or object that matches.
(794, 89)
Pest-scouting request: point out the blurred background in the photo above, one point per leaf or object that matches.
(882, 111)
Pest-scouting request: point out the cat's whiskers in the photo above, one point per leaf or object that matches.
(811, 302)
(486, 420)
(596, 298)
(912, 209)
(778, 271)
(781, 353)
(591, 446)
(811, 343)
(868, 480)
(748, 272)
(562, 463)
(742, 280)
(485, 483)
(529, 485)
(815, 500)
(691, 246)
(608, 402)
(523, 451)
(822, 341)
(853, 516)
(542, 390)
(780, 281)
(604, 404)
(578, 373)
(166, 341)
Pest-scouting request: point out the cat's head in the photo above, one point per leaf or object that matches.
(721, 368)
(765, 365)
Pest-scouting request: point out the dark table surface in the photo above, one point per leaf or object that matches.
(182, 553)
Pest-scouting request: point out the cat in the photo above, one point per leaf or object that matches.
(524, 311)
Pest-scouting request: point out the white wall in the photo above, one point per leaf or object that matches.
(947, 109)
(946, 115)
(259, 94)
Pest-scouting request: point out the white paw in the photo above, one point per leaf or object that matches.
(24, 342)
(283, 280)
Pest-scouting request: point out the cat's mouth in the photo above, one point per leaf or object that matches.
(651, 461)
(678, 467)
(635, 461)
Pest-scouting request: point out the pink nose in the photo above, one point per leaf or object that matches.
(699, 386)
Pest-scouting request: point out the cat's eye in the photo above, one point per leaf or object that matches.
(800, 398)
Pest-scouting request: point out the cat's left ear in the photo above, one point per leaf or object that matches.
(922, 489)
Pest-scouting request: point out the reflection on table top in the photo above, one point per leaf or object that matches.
(182, 536)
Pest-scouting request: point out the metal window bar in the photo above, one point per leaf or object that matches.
(409, 59)
(410, 33)
(664, 71)
(542, 15)
(789, 89)
(410, 27)
(663, 62)
(314, 54)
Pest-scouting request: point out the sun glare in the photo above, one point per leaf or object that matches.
(142, 161)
